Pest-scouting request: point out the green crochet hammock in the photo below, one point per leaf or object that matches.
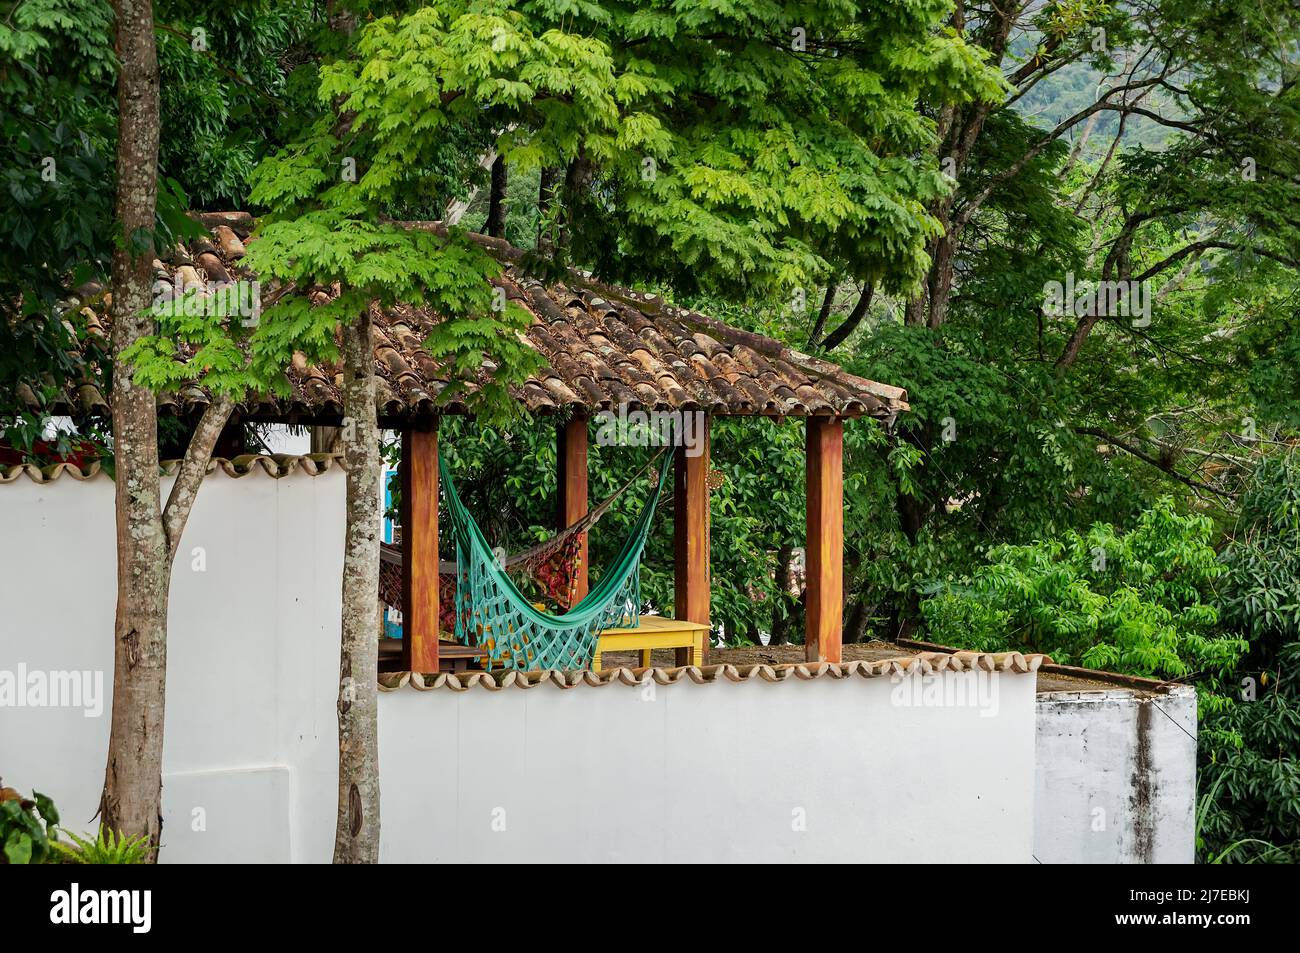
(492, 613)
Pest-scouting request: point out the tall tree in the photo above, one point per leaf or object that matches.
(496, 217)
(147, 534)
(356, 832)
(132, 797)
(1026, 421)
(229, 361)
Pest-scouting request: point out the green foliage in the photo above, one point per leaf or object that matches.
(413, 78)
(758, 508)
(956, 619)
(1134, 602)
(775, 143)
(1248, 756)
(108, 847)
(224, 87)
(28, 827)
(1250, 751)
(748, 168)
(227, 94)
(56, 136)
(1261, 591)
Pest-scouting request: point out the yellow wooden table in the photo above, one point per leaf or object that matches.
(654, 632)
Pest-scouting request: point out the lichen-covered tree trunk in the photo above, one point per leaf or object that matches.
(147, 533)
(132, 796)
(356, 834)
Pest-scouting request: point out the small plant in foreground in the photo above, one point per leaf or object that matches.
(107, 848)
(27, 827)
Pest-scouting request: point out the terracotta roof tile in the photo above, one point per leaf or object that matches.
(604, 347)
(924, 664)
(275, 465)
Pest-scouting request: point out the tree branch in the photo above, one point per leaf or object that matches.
(198, 454)
(836, 337)
(1147, 458)
(1064, 126)
(457, 208)
(814, 337)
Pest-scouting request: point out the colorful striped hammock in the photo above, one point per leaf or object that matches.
(552, 565)
(492, 613)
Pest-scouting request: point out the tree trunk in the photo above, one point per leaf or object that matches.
(856, 619)
(819, 327)
(941, 277)
(840, 334)
(577, 186)
(781, 620)
(904, 619)
(496, 220)
(131, 801)
(550, 184)
(456, 208)
(356, 834)
(1081, 143)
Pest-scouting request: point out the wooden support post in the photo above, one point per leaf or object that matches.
(691, 538)
(571, 484)
(325, 439)
(825, 553)
(419, 475)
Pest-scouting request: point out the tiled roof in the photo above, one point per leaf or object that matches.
(924, 664)
(275, 465)
(604, 347)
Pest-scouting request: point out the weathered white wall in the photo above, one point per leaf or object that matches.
(726, 771)
(252, 658)
(1116, 777)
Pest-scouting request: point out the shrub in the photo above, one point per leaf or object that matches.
(107, 848)
(28, 827)
(1261, 589)
(1133, 602)
(1250, 750)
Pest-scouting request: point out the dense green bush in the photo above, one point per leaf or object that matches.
(1250, 769)
(1138, 602)
(1261, 591)
(1250, 751)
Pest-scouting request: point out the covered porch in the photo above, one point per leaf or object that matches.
(606, 350)
(611, 351)
(427, 647)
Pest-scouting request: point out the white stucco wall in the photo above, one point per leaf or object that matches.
(252, 658)
(816, 770)
(797, 771)
(1116, 777)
